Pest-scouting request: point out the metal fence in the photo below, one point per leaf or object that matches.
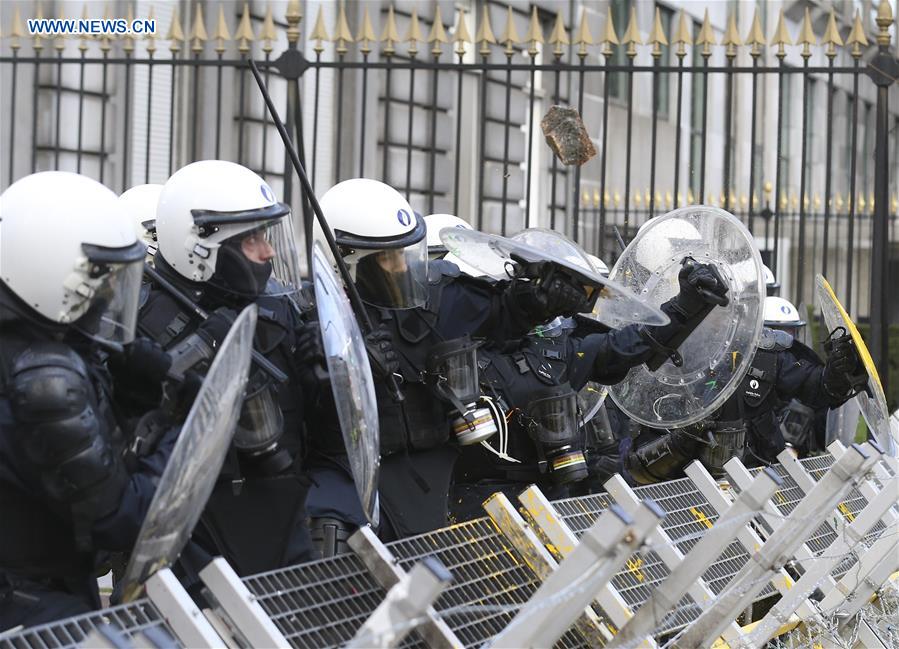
(686, 114)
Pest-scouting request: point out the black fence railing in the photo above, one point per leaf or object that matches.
(794, 139)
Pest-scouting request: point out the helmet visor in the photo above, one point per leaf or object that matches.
(394, 278)
(114, 288)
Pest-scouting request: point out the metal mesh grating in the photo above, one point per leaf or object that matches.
(130, 619)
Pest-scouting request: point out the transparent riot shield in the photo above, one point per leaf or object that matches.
(718, 353)
(351, 380)
(872, 402)
(196, 460)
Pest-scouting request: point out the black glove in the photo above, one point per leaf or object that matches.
(381, 354)
(543, 294)
(139, 372)
(844, 371)
(701, 285)
(216, 326)
(310, 353)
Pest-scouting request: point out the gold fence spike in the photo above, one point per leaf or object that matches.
(857, 38)
(535, 33)
(648, 196)
(82, 45)
(244, 33)
(319, 31)
(413, 35)
(638, 199)
(462, 35)
(585, 198)
(221, 32)
(342, 33)
(366, 33)
(438, 34)
(894, 203)
(669, 199)
(706, 37)
(632, 35)
(691, 199)
(485, 33)
(682, 38)
(510, 35)
(59, 42)
(595, 197)
(731, 38)
(871, 202)
(16, 31)
(658, 199)
(807, 36)
(744, 201)
(176, 33)
(806, 202)
(390, 35)
(39, 14)
(816, 201)
(609, 36)
(860, 202)
(267, 34)
(584, 37)
(657, 37)
(723, 198)
(884, 20)
(198, 33)
(151, 38)
(293, 16)
(781, 36)
(617, 198)
(559, 36)
(106, 39)
(756, 37)
(605, 198)
(755, 200)
(832, 36)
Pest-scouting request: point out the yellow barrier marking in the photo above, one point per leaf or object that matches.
(634, 566)
(781, 499)
(846, 512)
(702, 518)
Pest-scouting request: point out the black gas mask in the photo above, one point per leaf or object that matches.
(452, 371)
(551, 420)
(236, 274)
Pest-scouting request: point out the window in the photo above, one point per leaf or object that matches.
(664, 94)
(618, 81)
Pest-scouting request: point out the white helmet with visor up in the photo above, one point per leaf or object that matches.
(69, 253)
(139, 203)
(381, 240)
(220, 223)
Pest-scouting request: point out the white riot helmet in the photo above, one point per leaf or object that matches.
(781, 314)
(220, 223)
(69, 253)
(435, 223)
(772, 286)
(139, 203)
(381, 240)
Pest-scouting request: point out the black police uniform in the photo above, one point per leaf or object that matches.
(255, 517)
(67, 497)
(417, 454)
(782, 369)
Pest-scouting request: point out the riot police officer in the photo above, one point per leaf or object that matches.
(71, 270)
(419, 306)
(747, 425)
(224, 241)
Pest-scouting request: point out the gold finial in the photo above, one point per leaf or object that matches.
(723, 198)
(319, 31)
(462, 35)
(805, 202)
(860, 202)
(413, 36)
(658, 202)
(832, 36)
(176, 33)
(669, 199)
(366, 33)
(756, 37)
(485, 33)
(731, 38)
(60, 44)
(267, 34)
(584, 37)
(807, 36)
(768, 189)
(783, 201)
(682, 38)
(438, 34)
(857, 38)
(648, 197)
(884, 20)
(710, 199)
(781, 36)
(690, 197)
(390, 35)
(221, 32)
(706, 37)
(744, 200)
(657, 37)
(794, 200)
(16, 32)
(39, 14)
(871, 203)
(82, 46)
(894, 203)
(106, 39)
(609, 36)
(755, 200)
(510, 34)
(198, 33)
(595, 197)
(559, 36)
(535, 33)
(617, 198)
(342, 33)
(732, 200)
(605, 198)
(293, 17)
(585, 198)
(244, 33)
(816, 201)
(638, 199)
(632, 35)
(839, 202)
